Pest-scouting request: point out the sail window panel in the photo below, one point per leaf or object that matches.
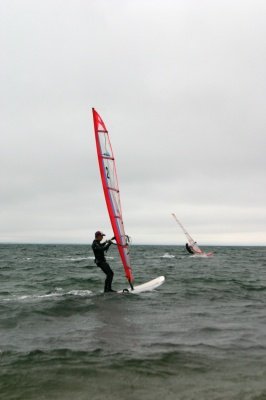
(105, 145)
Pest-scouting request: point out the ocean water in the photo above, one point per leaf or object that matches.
(200, 336)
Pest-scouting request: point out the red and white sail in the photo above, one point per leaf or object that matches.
(191, 241)
(111, 190)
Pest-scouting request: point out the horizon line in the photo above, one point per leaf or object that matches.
(133, 244)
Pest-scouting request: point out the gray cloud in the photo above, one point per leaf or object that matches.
(181, 87)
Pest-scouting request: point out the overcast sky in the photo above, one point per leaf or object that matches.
(181, 88)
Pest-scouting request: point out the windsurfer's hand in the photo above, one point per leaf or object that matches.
(113, 238)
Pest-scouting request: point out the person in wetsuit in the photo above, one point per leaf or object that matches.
(189, 248)
(99, 250)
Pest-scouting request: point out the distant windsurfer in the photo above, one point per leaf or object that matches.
(99, 250)
(189, 249)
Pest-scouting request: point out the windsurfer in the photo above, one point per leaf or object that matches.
(99, 249)
(189, 248)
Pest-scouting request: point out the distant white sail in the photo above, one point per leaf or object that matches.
(191, 241)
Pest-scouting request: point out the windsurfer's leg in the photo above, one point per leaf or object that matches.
(105, 267)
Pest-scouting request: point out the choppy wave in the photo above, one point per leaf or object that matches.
(76, 258)
(159, 256)
(167, 255)
(74, 374)
(199, 336)
(57, 293)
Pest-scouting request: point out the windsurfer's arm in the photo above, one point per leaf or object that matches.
(107, 244)
(113, 238)
(101, 246)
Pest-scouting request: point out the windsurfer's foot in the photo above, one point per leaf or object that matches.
(110, 290)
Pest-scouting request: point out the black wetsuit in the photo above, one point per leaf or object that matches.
(99, 249)
(189, 249)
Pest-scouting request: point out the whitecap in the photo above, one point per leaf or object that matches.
(79, 292)
(167, 255)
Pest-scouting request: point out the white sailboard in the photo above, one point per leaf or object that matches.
(145, 287)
